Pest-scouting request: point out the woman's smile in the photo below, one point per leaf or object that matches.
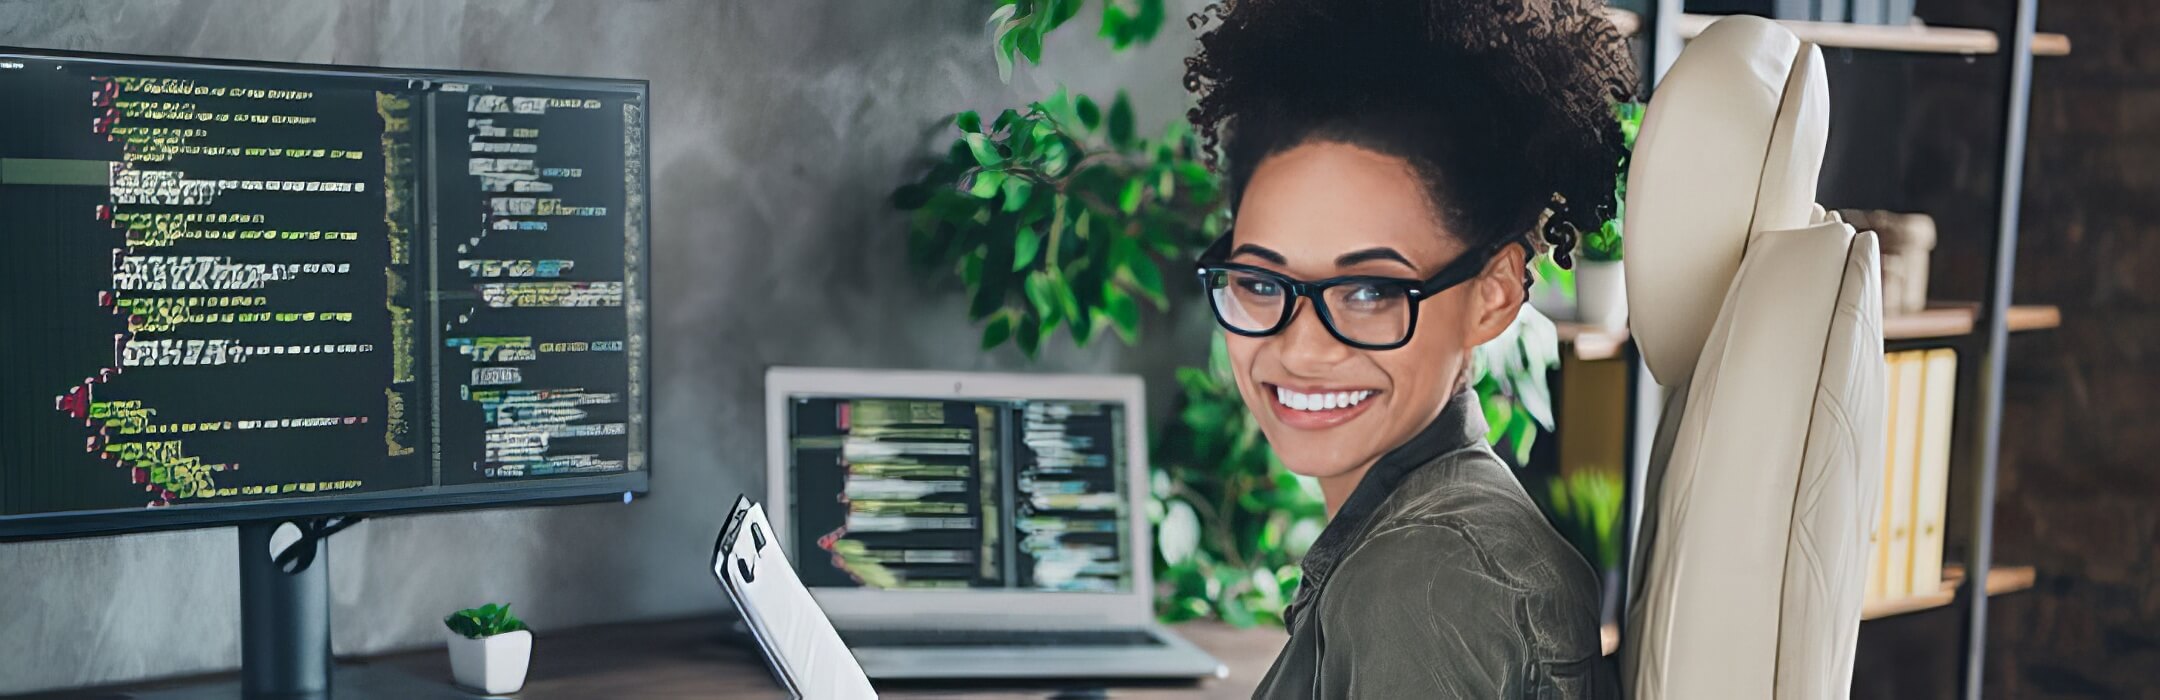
(1315, 407)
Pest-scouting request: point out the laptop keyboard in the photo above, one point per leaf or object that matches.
(999, 638)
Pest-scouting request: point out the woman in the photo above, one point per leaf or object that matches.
(1390, 162)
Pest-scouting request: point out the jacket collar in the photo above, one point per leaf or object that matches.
(1460, 424)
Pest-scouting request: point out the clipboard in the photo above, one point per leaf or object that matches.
(797, 640)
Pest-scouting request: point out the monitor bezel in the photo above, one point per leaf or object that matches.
(433, 498)
(973, 607)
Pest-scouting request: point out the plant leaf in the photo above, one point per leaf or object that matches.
(1148, 278)
(1090, 115)
(1025, 244)
(983, 149)
(1129, 199)
(1037, 287)
(1003, 53)
(1017, 191)
(1030, 45)
(1124, 313)
(986, 184)
(968, 121)
(1121, 121)
(1028, 337)
(998, 331)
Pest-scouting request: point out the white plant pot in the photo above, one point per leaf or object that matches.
(493, 665)
(1601, 294)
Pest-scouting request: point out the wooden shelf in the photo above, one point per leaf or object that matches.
(2001, 580)
(1953, 319)
(1942, 320)
(2034, 318)
(1591, 342)
(1915, 38)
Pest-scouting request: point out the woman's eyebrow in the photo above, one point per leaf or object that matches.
(1371, 254)
(1259, 252)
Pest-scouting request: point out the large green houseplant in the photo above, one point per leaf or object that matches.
(1062, 214)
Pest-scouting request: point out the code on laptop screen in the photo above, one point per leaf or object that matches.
(928, 493)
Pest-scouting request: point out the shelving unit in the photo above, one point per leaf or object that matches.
(1979, 330)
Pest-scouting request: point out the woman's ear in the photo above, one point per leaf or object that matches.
(1497, 293)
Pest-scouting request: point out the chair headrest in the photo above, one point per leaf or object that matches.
(1730, 144)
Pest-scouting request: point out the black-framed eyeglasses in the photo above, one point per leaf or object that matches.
(1368, 312)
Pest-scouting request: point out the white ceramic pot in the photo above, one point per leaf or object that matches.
(1601, 294)
(493, 665)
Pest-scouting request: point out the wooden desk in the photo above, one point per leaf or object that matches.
(701, 658)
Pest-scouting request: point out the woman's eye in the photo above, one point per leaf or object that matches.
(1258, 286)
(1367, 294)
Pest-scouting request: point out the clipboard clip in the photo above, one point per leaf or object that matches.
(744, 566)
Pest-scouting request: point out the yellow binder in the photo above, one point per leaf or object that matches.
(1932, 484)
(1877, 536)
(1904, 462)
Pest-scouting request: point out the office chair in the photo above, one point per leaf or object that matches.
(1760, 317)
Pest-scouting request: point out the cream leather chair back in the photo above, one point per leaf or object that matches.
(1760, 317)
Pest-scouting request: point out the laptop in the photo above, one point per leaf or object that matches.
(971, 525)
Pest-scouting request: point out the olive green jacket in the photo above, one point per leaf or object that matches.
(1440, 579)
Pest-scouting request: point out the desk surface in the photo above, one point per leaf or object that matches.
(698, 658)
(694, 658)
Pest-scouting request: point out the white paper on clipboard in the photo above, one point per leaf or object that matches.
(796, 637)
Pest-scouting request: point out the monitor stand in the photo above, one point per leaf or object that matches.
(285, 628)
(284, 614)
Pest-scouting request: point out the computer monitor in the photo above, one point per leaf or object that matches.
(905, 496)
(240, 292)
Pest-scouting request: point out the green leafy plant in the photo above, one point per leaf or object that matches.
(1603, 245)
(484, 621)
(1062, 215)
(1586, 506)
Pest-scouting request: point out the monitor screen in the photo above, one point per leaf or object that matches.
(943, 493)
(247, 291)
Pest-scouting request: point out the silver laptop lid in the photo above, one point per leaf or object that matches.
(962, 500)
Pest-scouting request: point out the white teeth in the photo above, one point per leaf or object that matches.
(1320, 402)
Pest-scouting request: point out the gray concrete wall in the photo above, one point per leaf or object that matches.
(778, 128)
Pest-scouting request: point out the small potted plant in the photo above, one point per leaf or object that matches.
(1600, 280)
(489, 649)
(1600, 286)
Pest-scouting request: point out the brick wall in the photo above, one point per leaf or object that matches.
(2079, 490)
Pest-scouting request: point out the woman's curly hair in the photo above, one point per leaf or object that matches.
(1502, 107)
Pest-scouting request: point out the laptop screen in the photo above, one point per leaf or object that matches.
(949, 494)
